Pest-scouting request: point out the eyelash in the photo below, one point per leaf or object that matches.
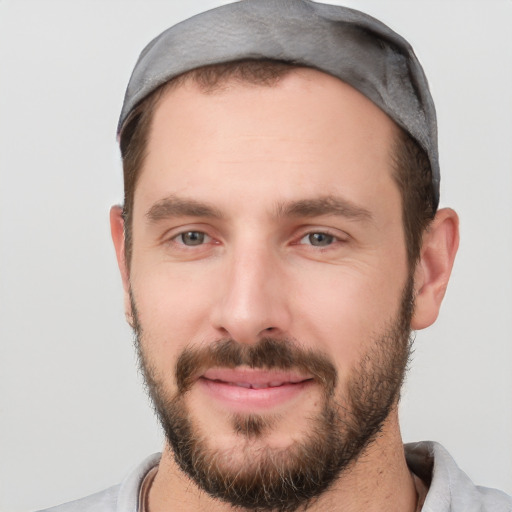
(320, 234)
(188, 232)
(331, 238)
(335, 240)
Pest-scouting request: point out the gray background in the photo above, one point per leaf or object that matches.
(73, 416)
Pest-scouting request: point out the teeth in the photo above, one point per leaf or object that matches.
(246, 385)
(259, 386)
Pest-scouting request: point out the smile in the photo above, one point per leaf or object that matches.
(248, 385)
(246, 390)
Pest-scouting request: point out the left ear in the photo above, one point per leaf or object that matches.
(440, 244)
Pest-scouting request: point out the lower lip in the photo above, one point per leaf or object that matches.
(248, 399)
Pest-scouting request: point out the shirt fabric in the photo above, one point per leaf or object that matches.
(450, 489)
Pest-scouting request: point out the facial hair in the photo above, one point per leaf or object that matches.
(282, 480)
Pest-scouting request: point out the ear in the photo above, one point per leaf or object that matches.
(440, 244)
(117, 231)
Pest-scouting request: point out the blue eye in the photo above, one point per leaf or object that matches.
(318, 239)
(192, 238)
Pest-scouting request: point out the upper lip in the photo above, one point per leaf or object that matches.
(254, 378)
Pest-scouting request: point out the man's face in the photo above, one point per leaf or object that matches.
(269, 280)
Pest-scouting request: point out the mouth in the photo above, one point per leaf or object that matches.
(249, 385)
(248, 389)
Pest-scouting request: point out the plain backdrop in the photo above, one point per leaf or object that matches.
(73, 415)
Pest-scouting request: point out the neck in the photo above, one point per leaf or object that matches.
(379, 480)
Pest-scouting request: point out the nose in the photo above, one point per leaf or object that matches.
(253, 300)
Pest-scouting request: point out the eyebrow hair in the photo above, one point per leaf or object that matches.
(326, 205)
(174, 206)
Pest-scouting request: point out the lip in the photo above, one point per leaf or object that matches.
(247, 389)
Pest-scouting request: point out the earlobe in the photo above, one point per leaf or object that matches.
(118, 237)
(440, 244)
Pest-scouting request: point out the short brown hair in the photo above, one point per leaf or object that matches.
(412, 171)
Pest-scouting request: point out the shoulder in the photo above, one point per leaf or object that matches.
(119, 498)
(104, 501)
(450, 489)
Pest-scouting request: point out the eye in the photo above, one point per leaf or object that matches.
(192, 238)
(318, 239)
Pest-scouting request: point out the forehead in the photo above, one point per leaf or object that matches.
(309, 127)
(303, 87)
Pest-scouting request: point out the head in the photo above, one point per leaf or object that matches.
(411, 166)
(277, 245)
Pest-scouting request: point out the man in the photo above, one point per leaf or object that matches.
(279, 240)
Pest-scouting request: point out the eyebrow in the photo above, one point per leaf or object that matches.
(174, 206)
(325, 205)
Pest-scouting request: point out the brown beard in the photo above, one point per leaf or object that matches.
(283, 480)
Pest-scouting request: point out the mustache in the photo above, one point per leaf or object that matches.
(267, 353)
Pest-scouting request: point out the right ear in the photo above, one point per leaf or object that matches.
(117, 231)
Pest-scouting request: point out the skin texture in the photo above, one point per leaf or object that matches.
(261, 171)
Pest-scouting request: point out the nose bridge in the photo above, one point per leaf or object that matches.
(252, 302)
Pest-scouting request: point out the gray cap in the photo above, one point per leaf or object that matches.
(342, 42)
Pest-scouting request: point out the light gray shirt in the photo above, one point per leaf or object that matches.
(450, 489)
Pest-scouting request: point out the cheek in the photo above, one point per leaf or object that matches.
(172, 307)
(343, 311)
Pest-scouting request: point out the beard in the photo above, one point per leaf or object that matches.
(264, 478)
